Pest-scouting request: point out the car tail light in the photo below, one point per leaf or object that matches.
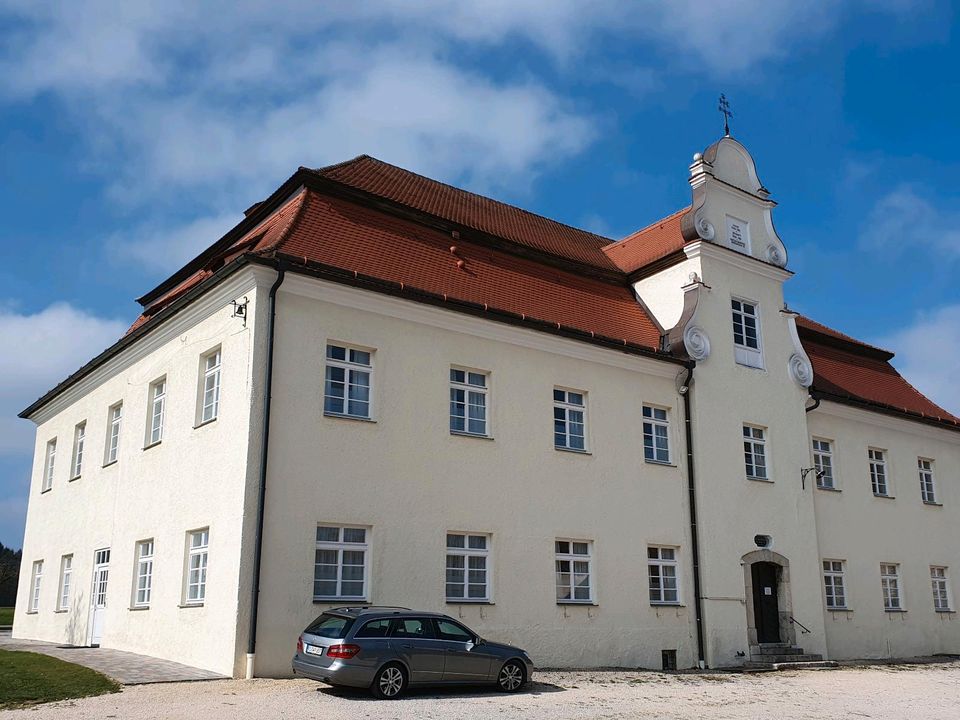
(300, 646)
(344, 652)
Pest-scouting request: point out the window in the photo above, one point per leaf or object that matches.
(35, 586)
(197, 544)
(833, 584)
(574, 576)
(66, 576)
(347, 386)
(941, 589)
(878, 472)
(144, 579)
(340, 565)
(330, 626)
(115, 417)
(449, 630)
(656, 435)
(374, 629)
(823, 462)
(927, 490)
(755, 452)
(890, 583)
(50, 459)
(662, 570)
(210, 387)
(467, 567)
(79, 436)
(411, 628)
(158, 401)
(468, 402)
(746, 333)
(569, 420)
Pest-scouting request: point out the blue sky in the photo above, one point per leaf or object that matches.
(134, 134)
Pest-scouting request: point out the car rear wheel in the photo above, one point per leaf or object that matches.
(389, 683)
(511, 677)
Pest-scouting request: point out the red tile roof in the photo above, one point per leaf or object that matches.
(649, 244)
(366, 239)
(481, 213)
(846, 369)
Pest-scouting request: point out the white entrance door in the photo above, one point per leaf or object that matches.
(98, 596)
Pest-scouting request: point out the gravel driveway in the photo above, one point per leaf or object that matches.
(895, 692)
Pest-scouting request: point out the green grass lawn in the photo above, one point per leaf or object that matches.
(29, 678)
(6, 616)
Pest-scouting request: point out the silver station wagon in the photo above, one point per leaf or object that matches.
(390, 649)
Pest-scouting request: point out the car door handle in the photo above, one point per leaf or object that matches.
(407, 647)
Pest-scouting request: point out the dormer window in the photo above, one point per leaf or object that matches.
(746, 333)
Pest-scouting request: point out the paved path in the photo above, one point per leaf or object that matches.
(124, 667)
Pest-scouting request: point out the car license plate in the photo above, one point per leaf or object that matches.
(313, 649)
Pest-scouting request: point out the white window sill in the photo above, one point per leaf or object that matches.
(46, 490)
(465, 601)
(112, 462)
(204, 423)
(667, 605)
(829, 489)
(885, 497)
(185, 606)
(152, 445)
(948, 611)
(661, 463)
(34, 612)
(839, 609)
(894, 610)
(575, 451)
(933, 503)
(137, 608)
(344, 416)
(588, 603)
(460, 433)
(60, 611)
(759, 479)
(75, 477)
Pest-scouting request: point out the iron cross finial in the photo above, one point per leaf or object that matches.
(724, 107)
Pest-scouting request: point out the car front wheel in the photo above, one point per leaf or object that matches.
(511, 676)
(390, 683)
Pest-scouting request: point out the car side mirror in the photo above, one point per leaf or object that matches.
(479, 641)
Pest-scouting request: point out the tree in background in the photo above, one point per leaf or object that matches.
(9, 575)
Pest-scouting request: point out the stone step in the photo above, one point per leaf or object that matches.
(775, 649)
(806, 665)
(756, 660)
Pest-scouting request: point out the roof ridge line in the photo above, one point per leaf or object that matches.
(304, 198)
(467, 192)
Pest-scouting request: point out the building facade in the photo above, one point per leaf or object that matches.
(612, 453)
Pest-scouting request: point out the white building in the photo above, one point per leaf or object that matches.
(600, 451)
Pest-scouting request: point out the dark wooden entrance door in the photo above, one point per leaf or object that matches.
(766, 611)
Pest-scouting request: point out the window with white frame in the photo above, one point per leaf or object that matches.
(348, 381)
(574, 571)
(569, 419)
(198, 543)
(144, 578)
(66, 579)
(878, 472)
(468, 572)
(755, 452)
(941, 588)
(823, 462)
(155, 414)
(114, 420)
(209, 386)
(890, 584)
(79, 438)
(656, 434)
(35, 580)
(663, 575)
(468, 402)
(340, 564)
(833, 584)
(927, 490)
(746, 333)
(50, 458)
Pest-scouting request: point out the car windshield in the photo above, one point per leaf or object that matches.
(330, 626)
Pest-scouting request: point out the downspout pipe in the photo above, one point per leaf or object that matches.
(264, 451)
(816, 402)
(694, 530)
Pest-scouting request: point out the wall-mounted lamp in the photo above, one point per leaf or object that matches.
(806, 471)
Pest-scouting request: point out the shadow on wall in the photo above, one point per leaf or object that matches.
(77, 624)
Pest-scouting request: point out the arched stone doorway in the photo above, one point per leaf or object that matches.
(766, 577)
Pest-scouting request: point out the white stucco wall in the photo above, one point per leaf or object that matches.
(411, 481)
(195, 478)
(865, 531)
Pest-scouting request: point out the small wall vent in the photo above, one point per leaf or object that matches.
(669, 659)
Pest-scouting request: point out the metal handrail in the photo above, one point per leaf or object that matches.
(803, 628)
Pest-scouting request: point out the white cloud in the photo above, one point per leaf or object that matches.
(164, 248)
(903, 221)
(39, 350)
(924, 352)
